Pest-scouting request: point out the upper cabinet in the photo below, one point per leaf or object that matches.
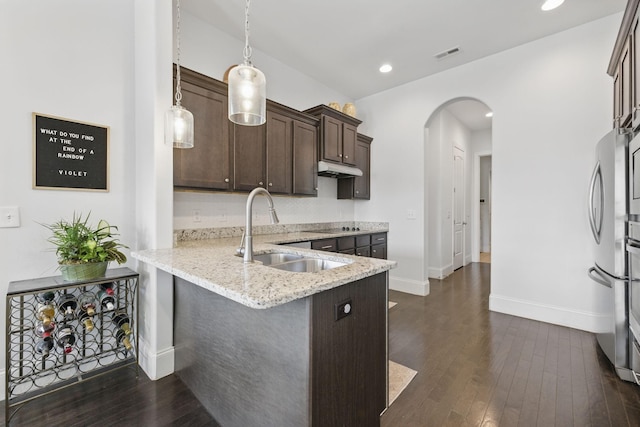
(624, 67)
(280, 155)
(338, 134)
(207, 164)
(358, 187)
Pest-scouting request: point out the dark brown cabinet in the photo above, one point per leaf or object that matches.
(624, 67)
(338, 134)
(305, 159)
(207, 164)
(281, 156)
(358, 187)
(249, 152)
(369, 245)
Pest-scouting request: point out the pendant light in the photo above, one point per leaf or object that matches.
(247, 87)
(178, 123)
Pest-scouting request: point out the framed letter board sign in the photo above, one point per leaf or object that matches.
(69, 155)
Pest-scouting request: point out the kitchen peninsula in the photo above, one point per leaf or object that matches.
(263, 346)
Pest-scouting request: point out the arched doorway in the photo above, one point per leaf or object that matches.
(457, 183)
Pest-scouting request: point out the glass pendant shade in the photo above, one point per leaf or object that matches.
(247, 96)
(179, 127)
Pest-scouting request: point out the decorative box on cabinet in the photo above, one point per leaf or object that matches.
(30, 375)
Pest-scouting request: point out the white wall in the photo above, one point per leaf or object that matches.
(209, 51)
(73, 59)
(552, 102)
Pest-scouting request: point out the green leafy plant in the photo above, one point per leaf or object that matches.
(78, 243)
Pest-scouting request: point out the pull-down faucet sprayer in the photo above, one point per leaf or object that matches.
(246, 245)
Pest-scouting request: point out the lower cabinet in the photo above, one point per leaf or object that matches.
(309, 362)
(369, 245)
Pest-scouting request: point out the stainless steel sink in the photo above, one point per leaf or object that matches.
(296, 263)
(276, 258)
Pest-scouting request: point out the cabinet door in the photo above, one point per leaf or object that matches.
(363, 160)
(331, 139)
(305, 159)
(279, 152)
(349, 136)
(327, 245)
(249, 157)
(206, 165)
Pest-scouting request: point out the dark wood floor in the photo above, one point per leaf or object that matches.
(475, 368)
(478, 368)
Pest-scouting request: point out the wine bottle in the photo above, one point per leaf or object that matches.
(107, 302)
(87, 302)
(45, 310)
(122, 339)
(87, 321)
(121, 319)
(66, 337)
(44, 346)
(67, 304)
(108, 287)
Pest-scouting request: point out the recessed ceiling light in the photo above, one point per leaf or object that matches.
(489, 114)
(385, 68)
(551, 4)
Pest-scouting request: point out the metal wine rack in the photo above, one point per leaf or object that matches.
(29, 375)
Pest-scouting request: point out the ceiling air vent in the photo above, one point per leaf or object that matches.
(447, 53)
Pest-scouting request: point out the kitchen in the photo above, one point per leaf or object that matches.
(102, 63)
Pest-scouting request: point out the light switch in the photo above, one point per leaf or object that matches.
(9, 217)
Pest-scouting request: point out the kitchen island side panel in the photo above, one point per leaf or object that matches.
(247, 367)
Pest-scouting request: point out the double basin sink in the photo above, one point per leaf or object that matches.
(296, 263)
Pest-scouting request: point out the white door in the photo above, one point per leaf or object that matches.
(458, 208)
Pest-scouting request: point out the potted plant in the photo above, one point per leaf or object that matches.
(84, 251)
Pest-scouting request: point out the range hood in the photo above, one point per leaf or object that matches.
(337, 171)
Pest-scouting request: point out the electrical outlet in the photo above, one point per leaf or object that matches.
(9, 217)
(411, 214)
(196, 215)
(343, 309)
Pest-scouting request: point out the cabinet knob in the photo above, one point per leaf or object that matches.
(260, 183)
(346, 157)
(375, 251)
(357, 192)
(316, 188)
(271, 184)
(226, 180)
(339, 155)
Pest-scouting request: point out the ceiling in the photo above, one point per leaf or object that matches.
(342, 43)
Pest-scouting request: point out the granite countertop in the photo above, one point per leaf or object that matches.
(211, 264)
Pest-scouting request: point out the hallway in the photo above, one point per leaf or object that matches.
(477, 367)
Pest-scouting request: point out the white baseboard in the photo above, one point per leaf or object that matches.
(440, 273)
(3, 377)
(583, 320)
(414, 287)
(156, 365)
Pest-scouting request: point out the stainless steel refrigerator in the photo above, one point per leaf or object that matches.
(608, 209)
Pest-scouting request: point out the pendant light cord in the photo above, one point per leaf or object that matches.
(247, 48)
(178, 87)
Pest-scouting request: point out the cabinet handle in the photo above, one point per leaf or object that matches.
(226, 180)
(380, 238)
(327, 247)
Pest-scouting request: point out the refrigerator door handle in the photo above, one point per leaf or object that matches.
(633, 246)
(598, 277)
(596, 178)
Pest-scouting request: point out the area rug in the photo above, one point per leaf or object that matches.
(391, 304)
(399, 378)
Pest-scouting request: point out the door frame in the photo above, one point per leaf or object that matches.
(475, 206)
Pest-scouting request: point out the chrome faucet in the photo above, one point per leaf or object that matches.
(246, 245)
